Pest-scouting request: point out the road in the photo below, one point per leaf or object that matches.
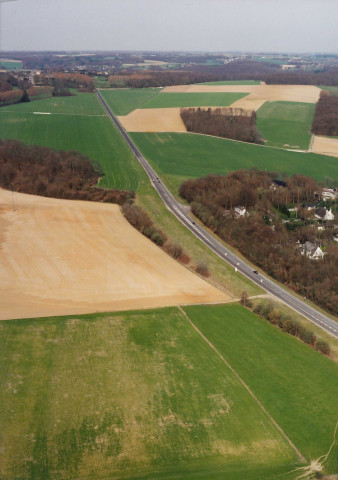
(223, 252)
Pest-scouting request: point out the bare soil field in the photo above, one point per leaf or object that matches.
(153, 120)
(60, 257)
(325, 146)
(169, 120)
(287, 93)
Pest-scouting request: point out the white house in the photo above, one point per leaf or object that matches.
(312, 251)
(323, 214)
(240, 212)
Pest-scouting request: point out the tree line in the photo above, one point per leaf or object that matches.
(49, 173)
(329, 77)
(265, 236)
(234, 123)
(269, 312)
(157, 78)
(325, 121)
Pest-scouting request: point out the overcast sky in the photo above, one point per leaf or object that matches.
(209, 25)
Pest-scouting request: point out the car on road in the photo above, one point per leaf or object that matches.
(255, 271)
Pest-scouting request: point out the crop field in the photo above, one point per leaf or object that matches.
(286, 124)
(180, 156)
(123, 102)
(11, 64)
(80, 104)
(138, 395)
(83, 127)
(297, 385)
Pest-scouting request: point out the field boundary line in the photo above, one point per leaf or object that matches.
(279, 428)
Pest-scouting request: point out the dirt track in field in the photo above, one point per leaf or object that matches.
(325, 146)
(61, 257)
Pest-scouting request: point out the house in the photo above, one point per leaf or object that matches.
(312, 251)
(323, 213)
(329, 194)
(335, 233)
(240, 212)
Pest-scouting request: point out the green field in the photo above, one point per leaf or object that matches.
(296, 384)
(124, 101)
(178, 156)
(130, 395)
(76, 123)
(333, 90)
(15, 65)
(79, 104)
(286, 124)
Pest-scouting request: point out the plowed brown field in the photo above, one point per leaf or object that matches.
(61, 257)
(272, 93)
(153, 120)
(325, 146)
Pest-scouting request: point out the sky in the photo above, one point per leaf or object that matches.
(299, 26)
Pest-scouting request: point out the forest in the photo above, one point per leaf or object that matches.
(160, 78)
(325, 121)
(49, 173)
(266, 235)
(233, 123)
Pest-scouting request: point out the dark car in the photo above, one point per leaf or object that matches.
(255, 271)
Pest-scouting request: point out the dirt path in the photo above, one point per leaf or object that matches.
(60, 257)
(244, 384)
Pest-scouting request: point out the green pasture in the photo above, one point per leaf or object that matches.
(124, 101)
(178, 156)
(286, 124)
(94, 136)
(79, 104)
(141, 395)
(171, 100)
(297, 385)
(17, 65)
(332, 90)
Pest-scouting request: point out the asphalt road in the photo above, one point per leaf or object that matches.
(239, 265)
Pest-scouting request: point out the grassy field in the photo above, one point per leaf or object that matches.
(79, 104)
(179, 156)
(14, 65)
(74, 125)
(170, 100)
(133, 395)
(332, 90)
(296, 384)
(286, 124)
(124, 101)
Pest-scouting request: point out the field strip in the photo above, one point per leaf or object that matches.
(244, 384)
(57, 113)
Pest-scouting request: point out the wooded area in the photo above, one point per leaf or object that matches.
(49, 173)
(144, 79)
(264, 236)
(325, 121)
(234, 123)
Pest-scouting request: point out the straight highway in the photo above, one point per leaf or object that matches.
(223, 252)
